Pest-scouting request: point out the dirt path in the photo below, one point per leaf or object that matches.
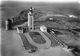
(45, 45)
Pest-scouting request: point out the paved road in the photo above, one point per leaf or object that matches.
(53, 41)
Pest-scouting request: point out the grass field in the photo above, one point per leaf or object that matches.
(36, 37)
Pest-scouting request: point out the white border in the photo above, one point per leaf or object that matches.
(61, 1)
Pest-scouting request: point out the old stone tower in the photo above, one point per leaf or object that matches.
(30, 19)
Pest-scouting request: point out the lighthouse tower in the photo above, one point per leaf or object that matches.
(30, 19)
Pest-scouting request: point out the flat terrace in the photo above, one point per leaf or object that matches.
(26, 43)
(38, 39)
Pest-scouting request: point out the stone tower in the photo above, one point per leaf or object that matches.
(8, 24)
(30, 19)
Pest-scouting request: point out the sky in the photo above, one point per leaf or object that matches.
(49, 1)
(46, 0)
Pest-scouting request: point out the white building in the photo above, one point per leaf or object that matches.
(50, 18)
(72, 16)
(6, 24)
(43, 28)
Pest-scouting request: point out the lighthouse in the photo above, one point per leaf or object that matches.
(30, 19)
